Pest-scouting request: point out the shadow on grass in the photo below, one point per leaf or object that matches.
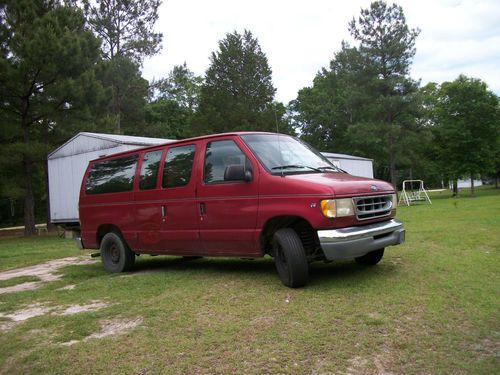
(344, 274)
(346, 271)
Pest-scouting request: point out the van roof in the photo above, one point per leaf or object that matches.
(181, 141)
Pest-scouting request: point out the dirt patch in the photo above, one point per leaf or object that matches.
(46, 272)
(75, 309)
(383, 362)
(116, 326)
(262, 321)
(19, 316)
(30, 311)
(67, 287)
(21, 287)
(363, 365)
(109, 328)
(357, 366)
(489, 347)
(8, 321)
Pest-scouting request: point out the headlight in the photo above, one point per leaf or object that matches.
(394, 201)
(337, 207)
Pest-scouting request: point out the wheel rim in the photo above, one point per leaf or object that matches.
(114, 253)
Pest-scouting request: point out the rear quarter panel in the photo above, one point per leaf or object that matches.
(108, 208)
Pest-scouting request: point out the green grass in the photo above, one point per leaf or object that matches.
(430, 307)
(20, 252)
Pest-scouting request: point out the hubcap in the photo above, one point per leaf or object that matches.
(115, 253)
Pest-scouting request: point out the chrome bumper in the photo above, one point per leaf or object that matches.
(353, 242)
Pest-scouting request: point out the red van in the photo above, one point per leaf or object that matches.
(244, 195)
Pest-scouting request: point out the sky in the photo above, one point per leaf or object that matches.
(300, 37)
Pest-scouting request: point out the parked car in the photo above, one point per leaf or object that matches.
(241, 195)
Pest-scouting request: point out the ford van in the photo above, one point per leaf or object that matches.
(245, 195)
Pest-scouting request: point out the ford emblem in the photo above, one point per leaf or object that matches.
(373, 188)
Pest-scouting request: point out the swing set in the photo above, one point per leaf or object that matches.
(411, 194)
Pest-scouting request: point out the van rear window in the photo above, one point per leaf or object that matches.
(112, 176)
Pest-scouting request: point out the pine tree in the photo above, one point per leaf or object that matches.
(47, 60)
(238, 91)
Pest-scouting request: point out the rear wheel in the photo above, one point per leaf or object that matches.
(290, 258)
(115, 254)
(371, 258)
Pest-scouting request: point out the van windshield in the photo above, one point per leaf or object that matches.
(282, 154)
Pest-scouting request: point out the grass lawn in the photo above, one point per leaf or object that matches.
(20, 252)
(430, 307)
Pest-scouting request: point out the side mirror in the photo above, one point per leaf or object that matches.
(248, 175)
(237, 173)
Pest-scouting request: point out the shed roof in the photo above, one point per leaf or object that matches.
(85, 142)
(343, 156)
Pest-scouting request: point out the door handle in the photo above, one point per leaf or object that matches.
(202, 209)
(163, 211)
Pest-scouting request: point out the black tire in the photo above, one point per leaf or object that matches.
(290, 258)
(116, 256)
(372, 258)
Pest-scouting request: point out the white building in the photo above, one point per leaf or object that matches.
(465, 183)
(355, 165)
(67, 165)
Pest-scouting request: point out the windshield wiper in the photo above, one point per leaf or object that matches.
(336, 169)
(292, 166)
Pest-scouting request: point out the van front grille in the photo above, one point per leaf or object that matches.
(373, 207)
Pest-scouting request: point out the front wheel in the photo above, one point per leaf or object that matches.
(371, 258)
(115, 254)
(290, 258)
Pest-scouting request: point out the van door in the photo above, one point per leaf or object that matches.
(148, 211)
(227, 207)
(179, 233)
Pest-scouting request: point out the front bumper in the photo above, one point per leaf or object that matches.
(353, 242)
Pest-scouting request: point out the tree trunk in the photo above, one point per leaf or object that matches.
(45, 132)
(29, 200)
(472, 184)
(50, 226)
(455, 187)
(392, 162)
(118, 109)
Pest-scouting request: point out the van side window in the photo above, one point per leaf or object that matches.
(178, 166)
(218, 156)
(112, 176)
(149, 170)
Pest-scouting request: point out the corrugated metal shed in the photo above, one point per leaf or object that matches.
(67, 165)
(355, 165)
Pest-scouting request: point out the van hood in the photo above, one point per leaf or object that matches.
(343, 184)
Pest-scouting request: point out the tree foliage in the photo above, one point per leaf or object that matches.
(387, 47)
(366, 103)
(126, 93)
(174, 102)
(126, 27)
(47, 60)
(238, 91)
(181, 86)
(468, 127)
(325, 111)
